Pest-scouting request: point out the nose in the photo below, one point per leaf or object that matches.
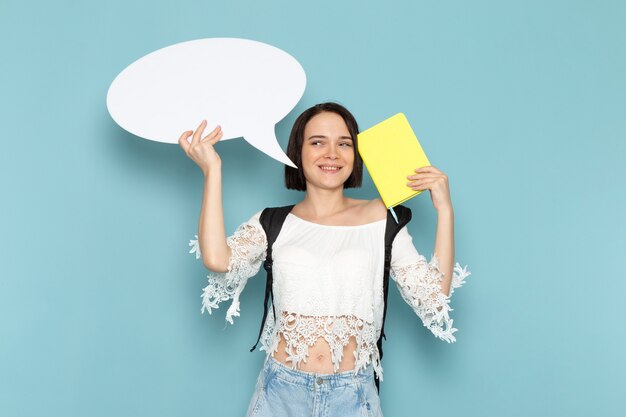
(332, 153)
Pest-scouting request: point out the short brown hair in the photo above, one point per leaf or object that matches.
(294, 178)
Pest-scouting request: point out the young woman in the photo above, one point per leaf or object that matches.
(328, 262)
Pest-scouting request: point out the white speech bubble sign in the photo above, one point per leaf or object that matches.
(243, 85)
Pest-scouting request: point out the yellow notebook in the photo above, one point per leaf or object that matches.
(391, 151)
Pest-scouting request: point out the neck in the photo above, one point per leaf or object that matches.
(321, 203)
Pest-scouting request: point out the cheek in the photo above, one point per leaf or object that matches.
(309, 153)
(306, 170)
(349, 156)
(307, 167)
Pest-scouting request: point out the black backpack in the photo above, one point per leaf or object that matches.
(272, 219)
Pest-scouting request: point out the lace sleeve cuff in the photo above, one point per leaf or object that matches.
(420, 285)
(248, 245)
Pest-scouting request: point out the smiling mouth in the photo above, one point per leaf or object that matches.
(330, 169)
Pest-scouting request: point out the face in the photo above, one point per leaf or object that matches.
(327, 151)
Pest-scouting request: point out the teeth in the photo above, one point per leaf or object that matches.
(329, 168)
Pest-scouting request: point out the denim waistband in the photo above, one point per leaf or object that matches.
(311, 379)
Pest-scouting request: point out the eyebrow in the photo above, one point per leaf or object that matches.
(326, 137)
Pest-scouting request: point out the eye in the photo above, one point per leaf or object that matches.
(346, 144)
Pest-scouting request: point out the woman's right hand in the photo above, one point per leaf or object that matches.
(201, 151)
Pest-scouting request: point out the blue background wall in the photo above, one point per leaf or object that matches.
(521, 103)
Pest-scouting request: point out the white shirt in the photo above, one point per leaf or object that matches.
(328, 282)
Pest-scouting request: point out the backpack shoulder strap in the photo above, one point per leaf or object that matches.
(391, 230)
(272, 219)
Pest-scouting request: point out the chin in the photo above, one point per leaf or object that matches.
(327, 186)
(326, 183)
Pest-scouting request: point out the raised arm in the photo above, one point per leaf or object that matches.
(231, 261)
(211, 233)
(427, 286)
(432, 179)
(444, 247)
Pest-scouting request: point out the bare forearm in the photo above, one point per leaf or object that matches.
(211, 233)
(444, 246)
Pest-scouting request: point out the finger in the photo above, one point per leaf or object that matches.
(183, 142)
(422, 184)
(423, 176)
(418, 187)
(216, 138)
(212, 134)
(198, 133)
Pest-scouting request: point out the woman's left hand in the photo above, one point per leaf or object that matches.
(432, 179)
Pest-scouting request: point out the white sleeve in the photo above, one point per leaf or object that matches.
(248, 245)
(419, 283)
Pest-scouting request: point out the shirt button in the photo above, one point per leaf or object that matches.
(319, 381)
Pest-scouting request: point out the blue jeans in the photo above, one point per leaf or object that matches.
(281, 391)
